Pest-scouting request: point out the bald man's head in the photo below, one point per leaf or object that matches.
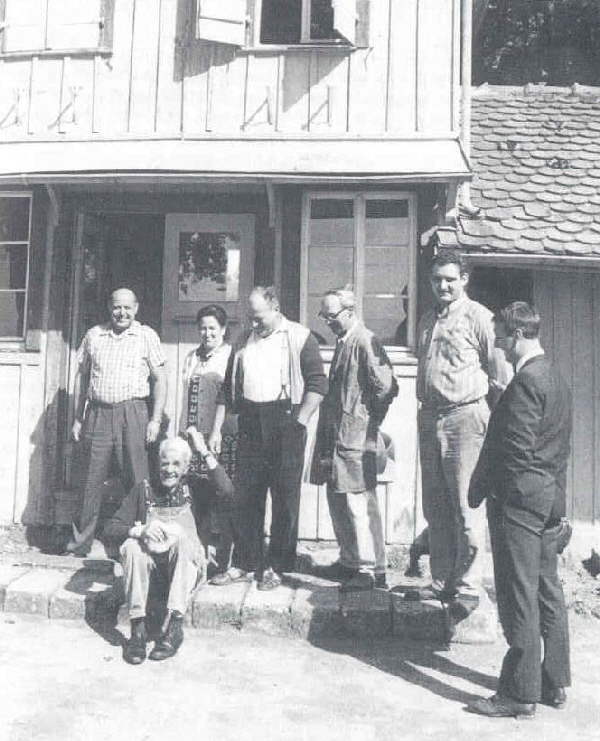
(123, 308)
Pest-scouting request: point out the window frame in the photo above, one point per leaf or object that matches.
(9, 342)
(105, 35)
(360, 198)
(305, 40)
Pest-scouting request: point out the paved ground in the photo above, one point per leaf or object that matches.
(63, 681)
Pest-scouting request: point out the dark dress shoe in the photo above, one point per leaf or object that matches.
(555, 697)
(462, 606)
(337, 571)
(422, 593)
(170, 640)
(498, 706)
(414, 569)
(135, 650)
(360, 582)
(270, 580)
(75, 549)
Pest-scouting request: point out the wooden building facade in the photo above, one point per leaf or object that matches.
(311, 145)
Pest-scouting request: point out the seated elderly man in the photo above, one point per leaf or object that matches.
(156, 527)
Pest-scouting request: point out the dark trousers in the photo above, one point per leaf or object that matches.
(270, 456)
(531, 604)
(118, 429)
(215, 520)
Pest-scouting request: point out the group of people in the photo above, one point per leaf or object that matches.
(482, 435)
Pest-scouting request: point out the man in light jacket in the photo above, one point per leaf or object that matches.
(361, 388)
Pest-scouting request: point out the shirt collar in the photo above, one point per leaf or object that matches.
(348, 334)
(215, 351)
(284, 326)
(134, 329)
(526, 358)
(445, 311)
(171, 497)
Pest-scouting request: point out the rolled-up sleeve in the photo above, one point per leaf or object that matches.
(311, 366)
(492, 359)
(83, 353)
(154, 352)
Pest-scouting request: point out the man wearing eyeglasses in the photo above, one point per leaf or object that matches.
(275, 382)
(361, 388)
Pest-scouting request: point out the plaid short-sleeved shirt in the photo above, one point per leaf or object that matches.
(120, 364)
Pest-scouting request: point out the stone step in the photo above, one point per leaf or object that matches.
(305, 607)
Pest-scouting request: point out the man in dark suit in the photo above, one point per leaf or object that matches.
(522, 472)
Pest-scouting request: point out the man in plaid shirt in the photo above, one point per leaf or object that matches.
(115, 364)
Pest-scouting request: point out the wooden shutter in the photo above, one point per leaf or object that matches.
(24, 25)
(344, 19)
(223, 21)
(74, 24)
(363, 8)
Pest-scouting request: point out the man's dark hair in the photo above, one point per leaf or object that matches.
(449, 257)
(215, 311)
(519, 315)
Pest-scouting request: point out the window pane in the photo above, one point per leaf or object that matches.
(12, 311)
(387, 222)
(387, 317)
(25, 25)
(386, 270)
(329, 267)
(281, 21)
(387, 209)
(321, 331)
(13, 266)
(321, 19)
(14, 219)
(73, 24)
(331, 222)
(331, 208)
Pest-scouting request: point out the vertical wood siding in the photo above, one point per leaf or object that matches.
(161, 80)
(569, 304)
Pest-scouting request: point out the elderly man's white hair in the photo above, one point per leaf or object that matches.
(179, 445)
(345, 295)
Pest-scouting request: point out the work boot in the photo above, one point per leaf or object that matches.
(170, 640)
(135, 650)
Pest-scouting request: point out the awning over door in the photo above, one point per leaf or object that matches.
(279, 160)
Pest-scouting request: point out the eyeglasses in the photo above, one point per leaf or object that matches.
(330, 317)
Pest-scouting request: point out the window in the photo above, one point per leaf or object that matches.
(15, 230)
(307, 21)
(55, 25)
(255, 22)
(367, 240)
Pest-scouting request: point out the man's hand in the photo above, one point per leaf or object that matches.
(155, 532)
(214, 443)
(76, 430)
(152, 431)
(197, 440)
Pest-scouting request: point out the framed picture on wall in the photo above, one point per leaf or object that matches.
(209, 266)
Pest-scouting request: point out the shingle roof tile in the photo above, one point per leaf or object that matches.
(536, 161)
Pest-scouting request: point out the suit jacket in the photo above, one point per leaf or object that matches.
(523, 461)
(361, 388)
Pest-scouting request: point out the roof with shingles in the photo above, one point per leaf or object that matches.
(536, 164)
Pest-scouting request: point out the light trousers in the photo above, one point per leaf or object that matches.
(449, 445)
(181, 569)
(358, 529)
